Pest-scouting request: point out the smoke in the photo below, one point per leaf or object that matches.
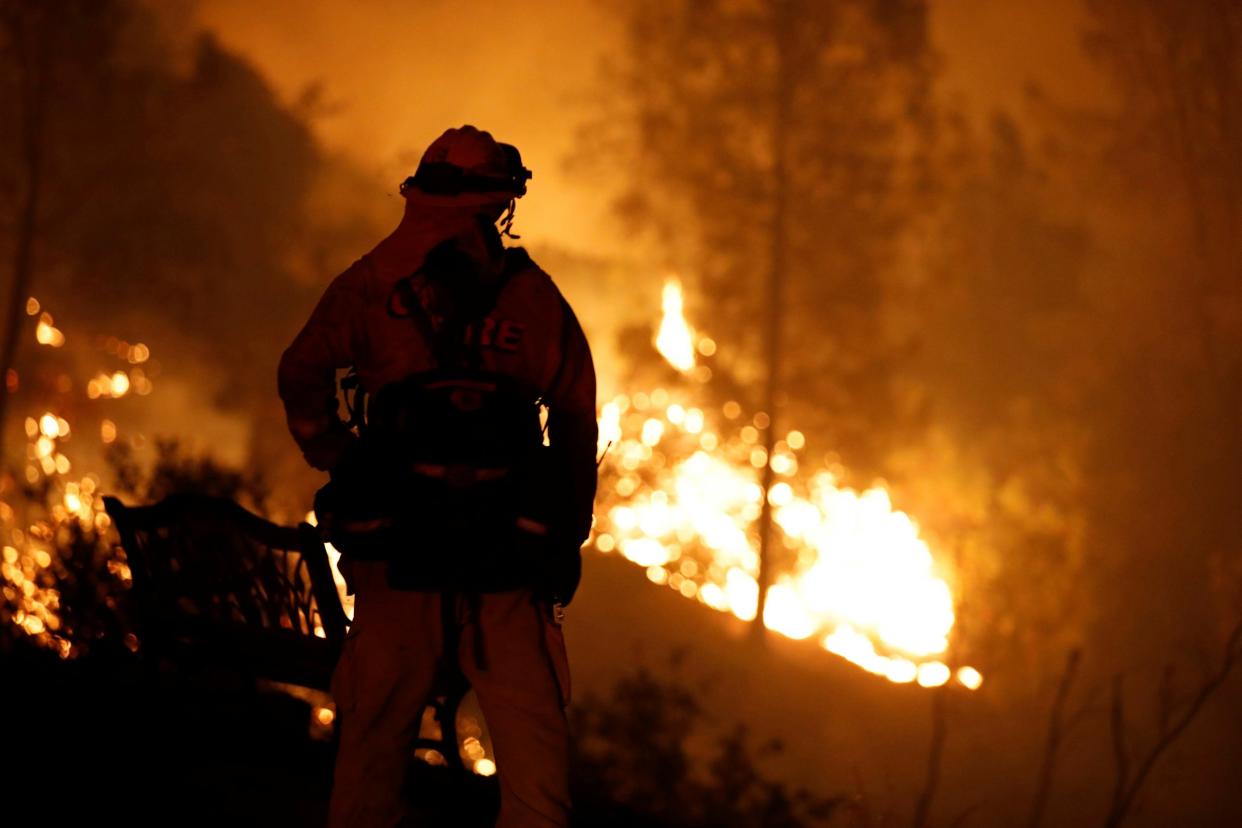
(391, 76)
(993, 52)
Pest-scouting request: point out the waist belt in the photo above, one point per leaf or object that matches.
(458, 473)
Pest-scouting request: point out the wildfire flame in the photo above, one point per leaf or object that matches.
(675, 340)
(684, 502)
(27, 583)
(28, 557)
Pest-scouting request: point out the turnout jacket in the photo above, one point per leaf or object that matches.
(531, 335)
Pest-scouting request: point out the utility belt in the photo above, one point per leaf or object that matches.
(450, 484)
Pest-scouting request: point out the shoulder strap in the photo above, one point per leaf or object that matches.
(518, 260)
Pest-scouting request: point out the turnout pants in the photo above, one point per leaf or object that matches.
(385, 678)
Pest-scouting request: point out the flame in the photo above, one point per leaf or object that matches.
(674, 340)
(26, 577)
(27, 565)
(970, 677)
(685, 499)
(342, 588)
(684, 502)
(46, 333)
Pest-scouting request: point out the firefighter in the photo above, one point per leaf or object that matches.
(443, 287)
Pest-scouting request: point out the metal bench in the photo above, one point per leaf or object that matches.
(217, 587)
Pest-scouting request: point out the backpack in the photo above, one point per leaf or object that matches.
(450, 461)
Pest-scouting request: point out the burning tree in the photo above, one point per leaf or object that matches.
(777, 147)
(679, 497)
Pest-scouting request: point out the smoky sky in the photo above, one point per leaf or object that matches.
(395, 74)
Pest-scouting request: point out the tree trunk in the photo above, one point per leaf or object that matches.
(783, 113)
(31, 42)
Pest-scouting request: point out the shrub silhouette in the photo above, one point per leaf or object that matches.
(641, 759)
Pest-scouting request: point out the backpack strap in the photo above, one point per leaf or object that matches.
(516, 261)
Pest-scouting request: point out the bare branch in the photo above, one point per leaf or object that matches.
(935, 757)
(1128, 788)
(33, 44)
(1117, 721)
(1057, 727)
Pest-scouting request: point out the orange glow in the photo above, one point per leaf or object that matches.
(685, 501)
(49, 425)
(674, 341)
(933, 674)
(116, 385)
(47, 333)
(970, 678)
(473, 748)
(30, 552)
(334, 560)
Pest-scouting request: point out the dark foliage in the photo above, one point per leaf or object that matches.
(88, 567)
(642, 760)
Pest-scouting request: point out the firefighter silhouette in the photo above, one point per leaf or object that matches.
(459, 509)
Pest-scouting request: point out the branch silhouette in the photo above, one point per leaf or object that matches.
(1172, 726)
(1057, 727)
(935, 757)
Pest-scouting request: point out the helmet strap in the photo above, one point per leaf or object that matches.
(506, 220)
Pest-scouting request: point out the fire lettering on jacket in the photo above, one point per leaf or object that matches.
(503, 334)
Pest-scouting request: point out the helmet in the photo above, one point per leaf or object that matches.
(466, 167)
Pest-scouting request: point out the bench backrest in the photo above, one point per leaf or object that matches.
(215, 583)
